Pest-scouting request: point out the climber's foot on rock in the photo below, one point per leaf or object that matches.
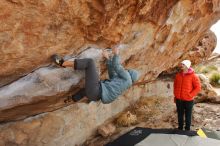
(70, 99)
(58, 60)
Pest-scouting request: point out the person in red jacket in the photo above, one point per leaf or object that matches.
(186, 86)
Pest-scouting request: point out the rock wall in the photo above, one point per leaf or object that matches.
(67, 126)
(153, 36)
(75, 123)
(33, 30)
(43, 90)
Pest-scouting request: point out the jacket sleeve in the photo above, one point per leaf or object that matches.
(196, 86)
(111, 72)
(118, 68)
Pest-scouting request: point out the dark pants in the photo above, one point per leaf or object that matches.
(184, 108)
(92, 88)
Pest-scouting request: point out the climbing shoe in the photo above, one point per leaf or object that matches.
(79, 95)
(68, 99)
(57, 59)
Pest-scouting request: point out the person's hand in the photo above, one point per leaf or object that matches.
(115, 51)
(105, 54)
(174, 100)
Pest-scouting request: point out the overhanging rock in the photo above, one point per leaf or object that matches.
(70, 125)
(41, 91)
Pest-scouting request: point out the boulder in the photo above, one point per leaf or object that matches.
(107, 129)
(153, 36)
(207, 93)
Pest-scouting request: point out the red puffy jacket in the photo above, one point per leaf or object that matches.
(186, 85)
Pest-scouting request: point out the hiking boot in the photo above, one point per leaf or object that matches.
(58, 60)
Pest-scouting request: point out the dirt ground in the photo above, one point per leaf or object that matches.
(157, 112)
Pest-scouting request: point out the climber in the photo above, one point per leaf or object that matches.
(106, 90)
(186, 86)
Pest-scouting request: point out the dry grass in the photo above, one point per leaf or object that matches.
(141, 111)
(126, 119)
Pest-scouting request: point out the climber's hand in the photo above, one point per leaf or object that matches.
(105, 54)
(115, 51)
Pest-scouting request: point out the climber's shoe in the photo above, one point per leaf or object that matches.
(58, 60)
(85, 100)
(78, 96)
(73, 98)
(68, 99)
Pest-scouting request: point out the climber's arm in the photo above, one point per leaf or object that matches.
(118, 68)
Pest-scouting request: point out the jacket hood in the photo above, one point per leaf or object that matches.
(134, 74)
(190, 71)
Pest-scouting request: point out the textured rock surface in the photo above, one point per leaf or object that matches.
(159, 88)
(76, 123)
(106, 129)
(203, 49)
(43, 90)
(67, 126)
(153, 36)
(208, 93)
(33, 30)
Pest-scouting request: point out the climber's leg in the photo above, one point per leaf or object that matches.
(92, 84)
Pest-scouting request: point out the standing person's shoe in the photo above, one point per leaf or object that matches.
(58, 60)
(187, 129)
(180, 128)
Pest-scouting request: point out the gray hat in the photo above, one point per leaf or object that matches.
(134, 74)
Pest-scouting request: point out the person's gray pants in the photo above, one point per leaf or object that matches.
(92, 88)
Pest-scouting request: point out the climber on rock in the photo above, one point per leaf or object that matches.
(95, 89)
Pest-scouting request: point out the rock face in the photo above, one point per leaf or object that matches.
(43, 90)
(153, 36)
(67, 126)
(33, 30)
(208, 93)
(204, 48)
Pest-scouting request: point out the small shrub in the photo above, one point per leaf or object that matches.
(198, 69)
(205, 69)
(126, 119)
(212, 68)
(215, 79)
